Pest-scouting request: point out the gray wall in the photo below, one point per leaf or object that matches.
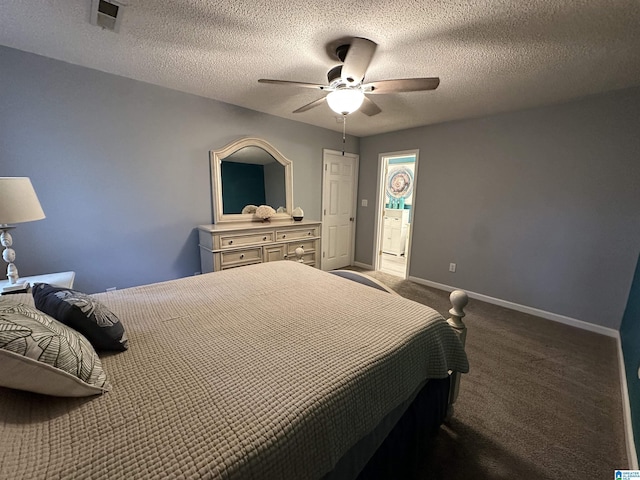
(122, 168)
(538, 207)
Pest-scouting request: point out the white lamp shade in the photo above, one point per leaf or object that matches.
(18, 201)
(345, 101)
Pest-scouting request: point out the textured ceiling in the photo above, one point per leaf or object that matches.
(491, 55)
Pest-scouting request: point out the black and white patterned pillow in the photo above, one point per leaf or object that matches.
(39, 354)
(83, 313)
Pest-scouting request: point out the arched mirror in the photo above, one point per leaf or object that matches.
(248, 173)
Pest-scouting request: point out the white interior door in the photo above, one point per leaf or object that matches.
(338, 207)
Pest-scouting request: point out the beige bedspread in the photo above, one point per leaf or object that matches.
(267, 371)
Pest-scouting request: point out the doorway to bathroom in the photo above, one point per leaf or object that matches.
(397, 174)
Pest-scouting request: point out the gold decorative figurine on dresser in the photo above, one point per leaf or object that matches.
(254, 174)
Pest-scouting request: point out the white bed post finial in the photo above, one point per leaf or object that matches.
(459, 300)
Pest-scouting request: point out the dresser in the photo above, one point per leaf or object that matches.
(396, 222)
(231, 245)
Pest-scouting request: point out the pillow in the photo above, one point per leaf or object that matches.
(83, 313)
(41, 355)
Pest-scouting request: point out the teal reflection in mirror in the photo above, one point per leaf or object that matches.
(251, 176)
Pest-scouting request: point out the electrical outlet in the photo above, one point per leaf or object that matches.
(365, 202)
(111, 289)
(452, 267)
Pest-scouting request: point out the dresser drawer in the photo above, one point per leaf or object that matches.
(295, 234)
(244, 256)
(237, 265)
(246, 239)
(309, 258)
(307, 245)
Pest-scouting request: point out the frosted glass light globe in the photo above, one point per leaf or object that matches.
(345, 101)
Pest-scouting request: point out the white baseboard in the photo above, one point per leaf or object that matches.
(632, 454)
(609, 332)
(363, 265)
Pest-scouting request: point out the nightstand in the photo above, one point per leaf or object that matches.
(62, 279)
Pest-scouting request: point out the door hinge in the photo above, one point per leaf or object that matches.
(323, 253)
(325, 211)
(325, 167)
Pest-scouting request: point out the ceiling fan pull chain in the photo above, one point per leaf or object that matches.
(344, 131)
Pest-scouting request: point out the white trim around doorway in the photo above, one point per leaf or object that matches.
(380, 206)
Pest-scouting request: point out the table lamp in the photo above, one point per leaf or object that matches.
(18, 203)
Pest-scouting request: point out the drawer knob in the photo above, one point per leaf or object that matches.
(242, 256)
(264, 239)
(309, 233)
(230, 242)
(284, 236)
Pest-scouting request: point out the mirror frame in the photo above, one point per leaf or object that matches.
(216, 157)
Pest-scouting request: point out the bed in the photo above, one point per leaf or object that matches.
(275, 370)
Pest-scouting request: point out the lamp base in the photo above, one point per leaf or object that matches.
(8, 254)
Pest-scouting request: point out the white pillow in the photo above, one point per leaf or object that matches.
(40, 354)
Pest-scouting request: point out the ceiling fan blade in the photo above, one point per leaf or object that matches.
(309, 106)
(369, 107)
(357, 60)
(292, 84)
(402, 85)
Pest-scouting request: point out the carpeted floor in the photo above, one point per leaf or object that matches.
(542, 400)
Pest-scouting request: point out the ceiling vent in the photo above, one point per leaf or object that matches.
(106, 14)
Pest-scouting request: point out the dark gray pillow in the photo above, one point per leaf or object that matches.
(83, 313)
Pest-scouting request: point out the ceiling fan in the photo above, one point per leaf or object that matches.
(346, 85)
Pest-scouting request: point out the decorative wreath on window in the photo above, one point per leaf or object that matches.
(400, 182)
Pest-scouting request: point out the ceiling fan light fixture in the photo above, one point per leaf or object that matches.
(345, 101)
